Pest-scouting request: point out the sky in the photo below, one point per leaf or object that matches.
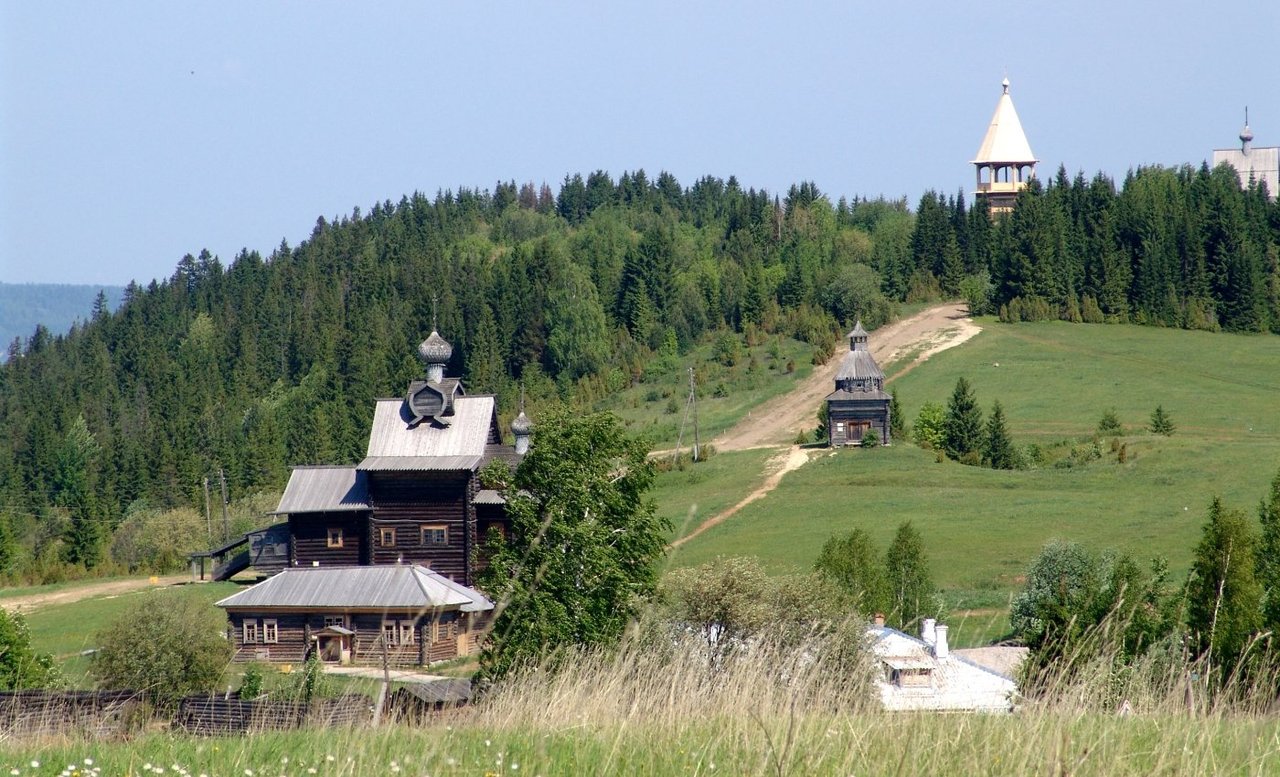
(134, 133)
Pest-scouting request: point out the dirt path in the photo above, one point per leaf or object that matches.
(775, 468)
(29, 602)
(926, 333)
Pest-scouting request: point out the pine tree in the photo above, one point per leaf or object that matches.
(911, 592)
(998, 450)
(962, 429)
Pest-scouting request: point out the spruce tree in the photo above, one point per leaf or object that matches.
(1223, 596)
(997, 449)
(962, 429)
(897, 425)
(1268, 558)
(1160, 422)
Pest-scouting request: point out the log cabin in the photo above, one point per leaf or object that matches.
(353, 615)
(859, 404)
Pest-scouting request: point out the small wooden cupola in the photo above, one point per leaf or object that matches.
(432, 399)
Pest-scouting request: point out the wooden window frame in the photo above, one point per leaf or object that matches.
(390, 632)
(270, 631)
(335, 620)
(407, 635)
(387, 536)
(249, 631)
(426, 530)
(334, 537)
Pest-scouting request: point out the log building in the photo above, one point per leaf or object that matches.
(859, 404)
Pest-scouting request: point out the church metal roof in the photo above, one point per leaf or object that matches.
(393, 435)
(858, 364)
(388, 587)
(1005, 141)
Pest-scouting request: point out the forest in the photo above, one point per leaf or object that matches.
(232, 372)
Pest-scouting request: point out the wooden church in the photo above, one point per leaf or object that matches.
(416, 503)
(859, 404)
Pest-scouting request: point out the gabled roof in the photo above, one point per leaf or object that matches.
(1005, 141)
(874, 395)
(391, 587)
(324, 490)
(395, 441)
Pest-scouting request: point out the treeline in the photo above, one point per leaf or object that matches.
(1181, 247)
(229, 373)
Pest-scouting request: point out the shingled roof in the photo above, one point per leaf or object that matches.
(324, 490)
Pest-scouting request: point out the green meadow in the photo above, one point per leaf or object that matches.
(982, 527)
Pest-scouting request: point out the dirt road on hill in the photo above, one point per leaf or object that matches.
(917, 338)
(28, 602)
(775, 425)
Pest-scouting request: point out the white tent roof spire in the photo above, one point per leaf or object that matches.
(1005, 142)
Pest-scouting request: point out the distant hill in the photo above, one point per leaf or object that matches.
(56, 305)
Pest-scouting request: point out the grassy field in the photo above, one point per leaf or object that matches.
(982, 527)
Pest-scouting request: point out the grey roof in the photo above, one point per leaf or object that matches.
(488, 496)
(858, 364)
(873, 395)
(420, 463)
(390, 587)
(324, 490)
(858, 331)
(467, 434)
(454, 690)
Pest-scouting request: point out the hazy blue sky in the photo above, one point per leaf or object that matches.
(132, 133)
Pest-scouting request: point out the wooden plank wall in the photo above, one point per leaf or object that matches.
(290, 647)
(408, 501)
(310, 532)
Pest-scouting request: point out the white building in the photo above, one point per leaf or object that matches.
(1252, 164)
(925, 675)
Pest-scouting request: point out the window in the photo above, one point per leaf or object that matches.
(435, 535)
(407, 633)
(335, 620)
(445, 630)
(387, 537)
(389, 632)
(270, 632)
(335, 538)
(249, 631)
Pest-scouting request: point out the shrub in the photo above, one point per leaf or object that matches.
(870, 439)
(1109, 425)
(167, 647)
(20, 666)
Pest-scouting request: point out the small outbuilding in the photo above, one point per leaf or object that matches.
(352, 615)
(859, 404)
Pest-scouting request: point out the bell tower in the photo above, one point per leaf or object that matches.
(1004, 161)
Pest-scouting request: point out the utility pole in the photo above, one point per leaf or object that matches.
(208, 522)
(693, 400)
(386, 683)
(226, 523)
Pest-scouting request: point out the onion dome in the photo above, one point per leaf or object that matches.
(522, 425)
(435, 349)
(1246, 134)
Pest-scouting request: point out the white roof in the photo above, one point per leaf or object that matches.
(1005, 141)
(955, 683)
(392, 438)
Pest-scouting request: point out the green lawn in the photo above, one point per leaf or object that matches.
(982, 527)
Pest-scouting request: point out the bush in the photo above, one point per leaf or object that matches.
(1109, 425)
(168, 647)
(870, 439)
(251, 683)
(1160, 422)
(20, 666)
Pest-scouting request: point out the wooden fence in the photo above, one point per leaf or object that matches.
(207, 715)
(91, 713)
